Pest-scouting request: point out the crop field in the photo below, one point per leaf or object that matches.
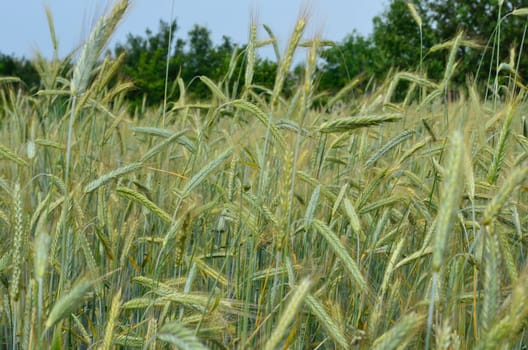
(258, 220)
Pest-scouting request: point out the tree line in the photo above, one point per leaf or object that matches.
(406, 36)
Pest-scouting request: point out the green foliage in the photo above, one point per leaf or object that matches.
(492, 43)
(265, 73)
(19, 67)
(355, 56)
(146, 60)
(397, 37)
(397, 42)
(202, 58)
(487, 22)
(400, 40)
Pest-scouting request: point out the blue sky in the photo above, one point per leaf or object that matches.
(24, 29)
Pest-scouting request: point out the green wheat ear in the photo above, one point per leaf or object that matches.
(450, 198)
(93, 47)
(356, 122)
(69, 302)
(400, 334)
(18, 239)
(285, 63)
(288, 315)
(111, 322)
(449, 202)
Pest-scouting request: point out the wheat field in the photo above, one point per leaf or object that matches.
(254, 220)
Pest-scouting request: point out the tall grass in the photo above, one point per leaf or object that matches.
(285, 227)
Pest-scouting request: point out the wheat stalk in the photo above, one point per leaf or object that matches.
(175, 333)
(7, 153)
(68, 302)
(290, 311)
(110, 323)
(352, 123)
(331, 327)
(93, 47)
(450, 197)
(400, 334)
(338, 248)
(516, 177)
(18, 238)
(250, 55)
(143, 200)
(285, 63)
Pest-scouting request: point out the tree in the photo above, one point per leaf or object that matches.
(20, 68)
(145, 62)
(480, 21)
(265, 73)
(396, 35)
(394, 43)
(203, 58)
(355, 56)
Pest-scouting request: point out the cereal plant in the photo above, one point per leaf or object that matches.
(253, 220)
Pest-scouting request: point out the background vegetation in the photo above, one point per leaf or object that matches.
(397, 42)
(257, 208)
